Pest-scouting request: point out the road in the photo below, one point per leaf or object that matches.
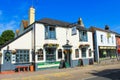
(99, 72)
(115, 75)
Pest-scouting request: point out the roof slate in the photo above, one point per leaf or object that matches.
(54, 22)
(93, 29)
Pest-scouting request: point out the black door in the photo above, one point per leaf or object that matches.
(7, 60)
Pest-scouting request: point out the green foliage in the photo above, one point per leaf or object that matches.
(1, 40)
(6, 36)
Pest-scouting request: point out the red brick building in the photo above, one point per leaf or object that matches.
(118, 43)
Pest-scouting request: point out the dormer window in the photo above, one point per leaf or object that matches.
(50, 32)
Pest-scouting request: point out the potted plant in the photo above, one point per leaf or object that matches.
(14, 51)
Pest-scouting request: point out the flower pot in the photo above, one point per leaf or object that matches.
(31, 68)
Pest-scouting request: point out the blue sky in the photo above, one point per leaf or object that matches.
(93, 12)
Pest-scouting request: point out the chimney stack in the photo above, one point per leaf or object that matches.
(31, 15)
(106, 27)
(80, 22)
(17, 32)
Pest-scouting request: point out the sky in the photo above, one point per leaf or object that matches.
(96, 13)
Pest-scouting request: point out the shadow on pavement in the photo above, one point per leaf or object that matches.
(108, 74)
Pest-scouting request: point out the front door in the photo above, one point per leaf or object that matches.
(68, 58)
(7, 60)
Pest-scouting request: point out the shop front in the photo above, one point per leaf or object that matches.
(107, 52)
(50, 53)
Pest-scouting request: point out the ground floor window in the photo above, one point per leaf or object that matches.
(40, 54)
(83, 51)
(22, 56)
(90, 52)
(50, 54)
(77, 53)
(59, 53)
(107, 53)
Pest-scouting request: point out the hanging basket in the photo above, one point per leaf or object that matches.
(51, 45)
(84, 46)
(67, 51)
(14, 51)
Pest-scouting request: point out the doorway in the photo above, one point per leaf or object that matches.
(68, 58)
(7, 60)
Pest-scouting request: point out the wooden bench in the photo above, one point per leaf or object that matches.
(24, 68)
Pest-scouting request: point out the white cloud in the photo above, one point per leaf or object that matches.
(12, 25)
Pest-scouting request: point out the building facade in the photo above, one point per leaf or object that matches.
(118, 45)
(104, 44)
(45, 43)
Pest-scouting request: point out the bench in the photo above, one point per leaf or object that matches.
(22, 68)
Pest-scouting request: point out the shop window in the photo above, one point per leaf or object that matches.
(60, 54)
(50, 32)
(90, 53)
(40, 54)
(83, 52)
(77, 53)
(22, 56)
(83, 36)
(50, 54)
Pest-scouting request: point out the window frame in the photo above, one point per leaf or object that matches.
(83, 36)
(60, 54)
(20, 56)
(49, 55)
(83, 55)
(90, 52)
(50, 32)
(77, 53)
(40, 55)
(101, 37)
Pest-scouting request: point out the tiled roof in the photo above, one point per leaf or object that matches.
(54, 22)
(25, 23)
(93, 29)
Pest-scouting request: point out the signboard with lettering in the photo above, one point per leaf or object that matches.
(74, 31)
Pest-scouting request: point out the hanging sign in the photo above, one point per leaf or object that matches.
(74, 31)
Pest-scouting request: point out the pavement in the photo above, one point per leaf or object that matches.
(76, 73)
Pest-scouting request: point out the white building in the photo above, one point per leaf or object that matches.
(104, 43)
(45, 43)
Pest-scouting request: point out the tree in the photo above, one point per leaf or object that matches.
(1, 40)
(6, 36)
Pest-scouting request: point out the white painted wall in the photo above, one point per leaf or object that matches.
(23, 42)
(61, 40)
(105, 42)
(27, 41)
(40, 39)
(75, 41)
